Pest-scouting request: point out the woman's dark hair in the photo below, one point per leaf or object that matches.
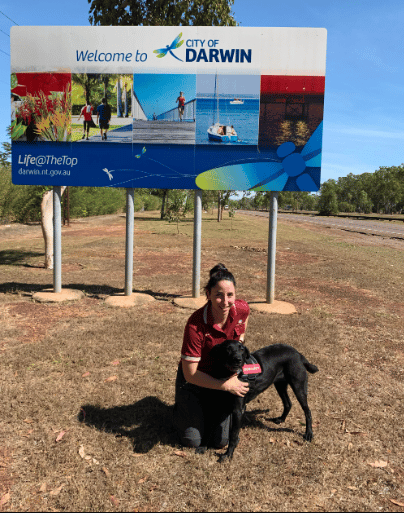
(219, 273)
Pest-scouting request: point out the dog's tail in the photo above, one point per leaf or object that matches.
(309, 366)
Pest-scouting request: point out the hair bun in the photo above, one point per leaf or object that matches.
(216, 274)
(217, 268)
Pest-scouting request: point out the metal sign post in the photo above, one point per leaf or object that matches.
(130, 212)
(273, 220)
(196, 270)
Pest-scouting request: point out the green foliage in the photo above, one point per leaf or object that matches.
(5, 154)
(162, 12)
(180, 203)
(345, 206)
(151, 202)
(94, 87)
(328, 201)
(96, 201)
(232, 215)
(365, 203)
(22, 203)
(146, 199)
(19, 203)
(299, 200)
(5, 189)
(209, 199)
(381, 191)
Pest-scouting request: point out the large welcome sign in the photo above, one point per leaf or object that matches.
(168, 107)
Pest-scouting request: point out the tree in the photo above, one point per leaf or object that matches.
(389, 186)
(365, 204)
(161, 12)
(87, 82)
(179, 205)
(208, 199)
(5, 154)
(328, 202)
(47, 225)
(223, 198)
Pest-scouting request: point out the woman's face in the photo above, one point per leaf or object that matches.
(222, 297)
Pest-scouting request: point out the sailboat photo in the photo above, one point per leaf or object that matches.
(219, 132)
(237, 101)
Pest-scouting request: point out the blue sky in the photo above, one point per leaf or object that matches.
(158, 93)
(363, 112)
(229, 84)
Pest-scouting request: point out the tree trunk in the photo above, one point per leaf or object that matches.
(219, 197)
(165, 192)
(47, 226)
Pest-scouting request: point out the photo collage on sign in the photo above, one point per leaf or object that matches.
(41, 107)
(147, 108)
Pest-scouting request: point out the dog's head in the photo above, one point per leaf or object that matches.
(228, 357)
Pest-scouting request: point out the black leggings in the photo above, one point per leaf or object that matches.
(197, 415)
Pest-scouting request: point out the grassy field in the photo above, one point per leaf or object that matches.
(87, 390)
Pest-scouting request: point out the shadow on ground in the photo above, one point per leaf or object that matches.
(250, 419)
(95, 291)
(146, 423)
(16, 257)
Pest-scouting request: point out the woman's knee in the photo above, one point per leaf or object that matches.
(191, 438)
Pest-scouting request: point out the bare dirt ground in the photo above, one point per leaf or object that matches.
(87, 390)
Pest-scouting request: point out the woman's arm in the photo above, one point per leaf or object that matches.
(242, 336)
(196, 377)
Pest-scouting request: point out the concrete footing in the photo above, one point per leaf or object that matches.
(280, 307)
(135, 299)
(48, 296)
(190, 302)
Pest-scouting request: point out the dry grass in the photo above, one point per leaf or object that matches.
(119, 451)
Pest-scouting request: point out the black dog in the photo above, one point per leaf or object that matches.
(280, 364)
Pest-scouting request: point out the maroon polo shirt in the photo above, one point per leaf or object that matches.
(201, 334)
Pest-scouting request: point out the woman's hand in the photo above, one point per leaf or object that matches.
(232, 385)
(235, 386)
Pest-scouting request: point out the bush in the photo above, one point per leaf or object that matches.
(328, 202)
(96, 201)
(152, 202)
(20, 203)
(344, 206)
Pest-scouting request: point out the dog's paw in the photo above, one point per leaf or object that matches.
(277, 420)
(308, 437)
(201, 450)
(223, 457)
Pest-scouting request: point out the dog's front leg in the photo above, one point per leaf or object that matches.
(233, 434)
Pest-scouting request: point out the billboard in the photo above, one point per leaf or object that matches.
(168, 107)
